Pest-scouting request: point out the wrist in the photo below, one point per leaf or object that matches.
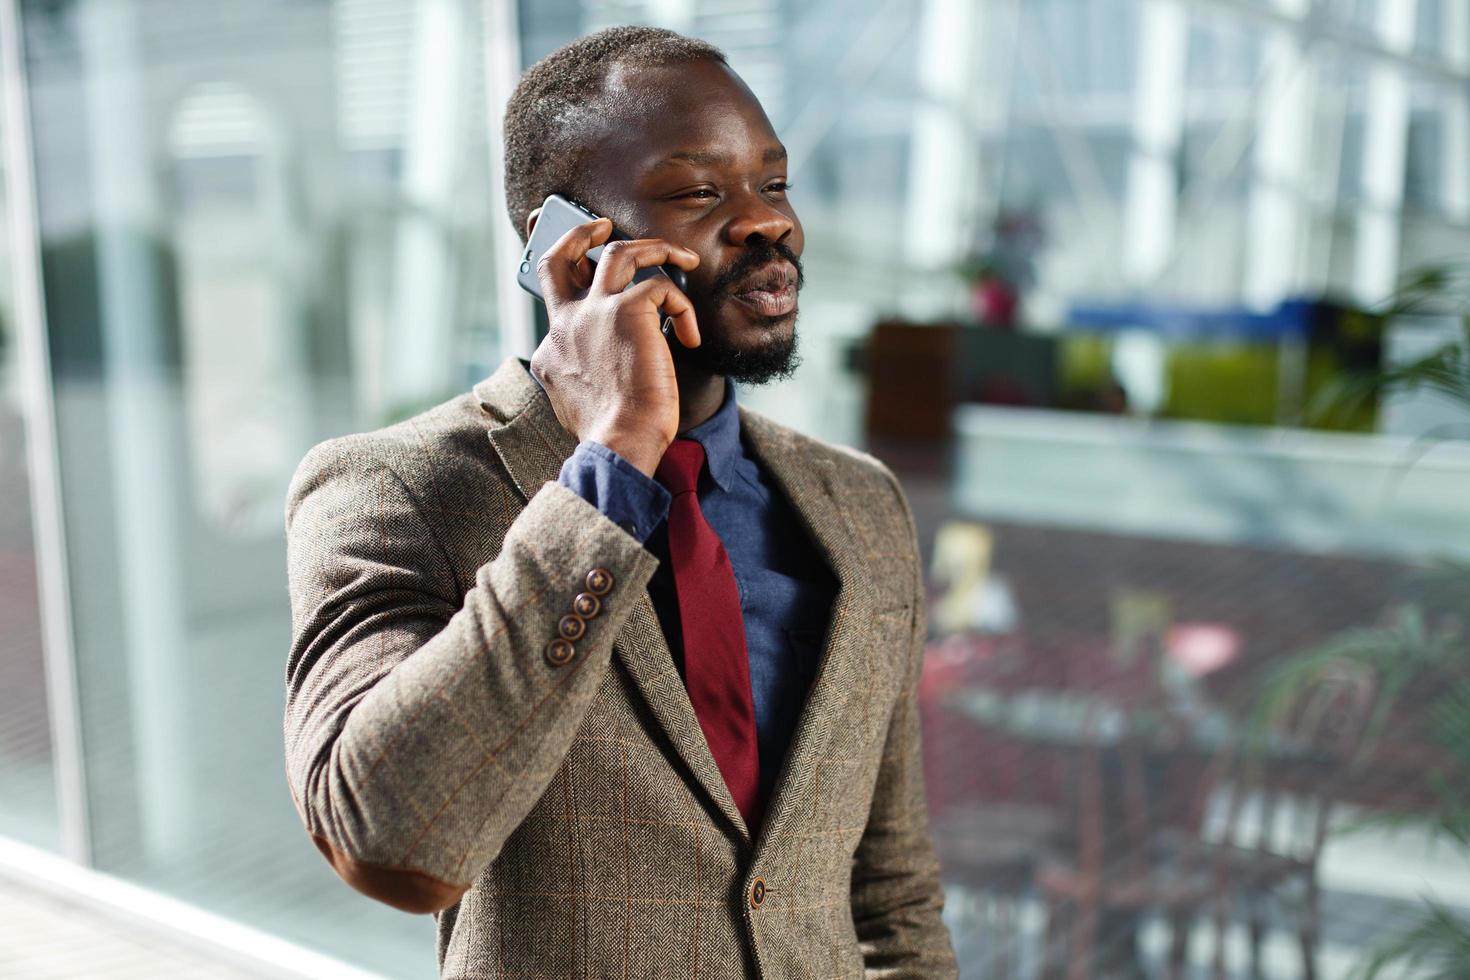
(641, 451)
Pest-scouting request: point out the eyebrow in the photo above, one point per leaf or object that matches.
(774, 154)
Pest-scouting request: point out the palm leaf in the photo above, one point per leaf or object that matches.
(1440, 290)
(1438, 945)
(1396, 653)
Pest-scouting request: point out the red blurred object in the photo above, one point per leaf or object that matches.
(994, 302)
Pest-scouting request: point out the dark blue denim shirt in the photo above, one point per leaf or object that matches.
(786, 588)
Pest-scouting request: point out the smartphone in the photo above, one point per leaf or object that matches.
(560, 215)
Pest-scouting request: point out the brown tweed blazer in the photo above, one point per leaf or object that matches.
(567, 819)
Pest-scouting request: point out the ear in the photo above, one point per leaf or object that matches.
(531, 222)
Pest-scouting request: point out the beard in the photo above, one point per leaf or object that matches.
(774, 356)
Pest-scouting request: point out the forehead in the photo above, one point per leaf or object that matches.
(700, 107)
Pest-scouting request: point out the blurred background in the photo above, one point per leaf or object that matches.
(1160, 308)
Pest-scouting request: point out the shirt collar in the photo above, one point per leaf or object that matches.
(719, 435)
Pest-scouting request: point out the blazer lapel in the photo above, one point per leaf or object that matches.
(809, 484)
(533, 445)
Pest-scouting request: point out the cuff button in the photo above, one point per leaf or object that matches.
(586, 605)
(599, 581)
(560, 652)
(571, 627)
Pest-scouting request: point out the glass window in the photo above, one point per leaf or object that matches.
(263, 224)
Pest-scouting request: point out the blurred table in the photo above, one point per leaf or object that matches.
(1070, 718)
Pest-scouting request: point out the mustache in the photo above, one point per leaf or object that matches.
(756, 255)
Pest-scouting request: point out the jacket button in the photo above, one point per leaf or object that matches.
(586, 605)
(599, 581)
(560, 652)
(571, 626)
(757, 893)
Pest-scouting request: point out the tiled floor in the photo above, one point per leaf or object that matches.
(46, 938)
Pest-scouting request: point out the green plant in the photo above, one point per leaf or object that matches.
(1440, 291)
(1438, 943)
(1411, 654)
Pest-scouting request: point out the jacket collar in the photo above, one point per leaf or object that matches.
(532, 445)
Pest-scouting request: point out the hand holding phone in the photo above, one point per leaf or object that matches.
(605, 364)
(559, 215)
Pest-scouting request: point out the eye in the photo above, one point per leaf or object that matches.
(777, 187)
(702, 194)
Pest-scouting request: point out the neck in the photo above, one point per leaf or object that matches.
(700, 396)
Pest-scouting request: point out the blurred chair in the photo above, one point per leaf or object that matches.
(1289, 788)
(1116, 872)
(1135, 854)
(991, 851)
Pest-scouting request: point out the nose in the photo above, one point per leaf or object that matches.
(756, 216)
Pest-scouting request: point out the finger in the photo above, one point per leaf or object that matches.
(661, 292)
(563, 268)
(621, 260)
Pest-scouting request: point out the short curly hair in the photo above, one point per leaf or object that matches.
(558, 95)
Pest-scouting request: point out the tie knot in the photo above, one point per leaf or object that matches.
(680, 466)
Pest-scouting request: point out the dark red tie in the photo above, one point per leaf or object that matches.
(716, 667)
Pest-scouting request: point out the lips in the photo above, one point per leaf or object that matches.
(770, 290)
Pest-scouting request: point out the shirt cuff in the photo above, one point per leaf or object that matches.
(624, 494)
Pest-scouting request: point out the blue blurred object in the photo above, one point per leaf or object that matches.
(1292, 320)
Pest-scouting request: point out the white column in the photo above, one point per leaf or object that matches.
(1385, 152)
(1158, 127)
(1274, 254)
(1456, 164)
(502, 58)
(420, 343)
(142, 413)
(942, 166)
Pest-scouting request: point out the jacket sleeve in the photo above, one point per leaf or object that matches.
(420, 728)
(896, 894)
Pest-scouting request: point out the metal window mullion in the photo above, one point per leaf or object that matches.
(422, 331)
(1456, 150)
(43, 457)
(1310, 30)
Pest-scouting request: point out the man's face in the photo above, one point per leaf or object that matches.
(692, 159)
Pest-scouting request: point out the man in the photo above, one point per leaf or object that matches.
(606, 701)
